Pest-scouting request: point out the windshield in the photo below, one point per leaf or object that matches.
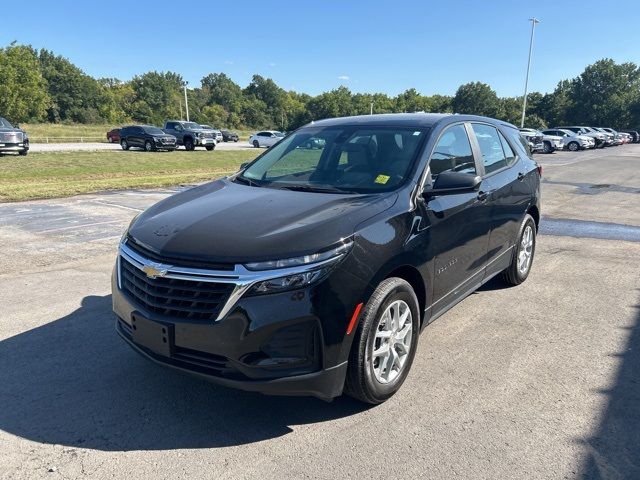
(279, 134)
(5, 123)
(345, 159)
(191, 126)
(568, 132)
(153, 131)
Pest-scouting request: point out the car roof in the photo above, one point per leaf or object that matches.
(404, 120)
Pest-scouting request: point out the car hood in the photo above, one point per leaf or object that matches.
(227, 222)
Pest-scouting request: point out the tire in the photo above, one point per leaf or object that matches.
(210, 147)
(365, 381)
(235, 140)
(256, 144)
(124, 144)
(148, 147)
(516, 273)
(188, 145)
(547, 147)
(573, 146)
(23, 153)
(110, 139)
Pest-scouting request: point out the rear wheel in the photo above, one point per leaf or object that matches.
(256, 144)
(188, 144)
(523, 252)
(573, 146)
(385, 342)
(124, 144)
(110, 139)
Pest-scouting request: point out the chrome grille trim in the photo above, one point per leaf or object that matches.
(241, 277)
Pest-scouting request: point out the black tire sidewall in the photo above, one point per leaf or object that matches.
(528, 220)
(387, 292)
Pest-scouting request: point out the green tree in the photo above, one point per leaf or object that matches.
(157, 97)
(476, 98)
(221, 90)
(23, 95)
(602, 94)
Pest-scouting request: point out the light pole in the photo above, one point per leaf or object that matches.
(186, 101)
(371, 109)
(533, 21)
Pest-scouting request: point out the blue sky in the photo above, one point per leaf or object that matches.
(369, 46)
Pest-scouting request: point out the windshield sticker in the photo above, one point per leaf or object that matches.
(415, 134)
(383, 179)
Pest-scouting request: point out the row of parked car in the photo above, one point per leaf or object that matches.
(576, 138)
(173, 134)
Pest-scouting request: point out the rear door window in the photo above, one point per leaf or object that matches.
(493, 155)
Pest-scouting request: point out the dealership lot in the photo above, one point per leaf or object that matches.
(93, 146)
(536, 381)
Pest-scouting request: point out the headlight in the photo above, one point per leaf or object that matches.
(290, 282)
(319, 265)
(333, 254)
(126, 232)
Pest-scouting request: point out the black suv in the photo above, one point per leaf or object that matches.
(13, 139)
(312, 271)
(148, 137)
(228, 136)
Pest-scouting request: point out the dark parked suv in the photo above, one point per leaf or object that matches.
(312, 271)
(147, 137)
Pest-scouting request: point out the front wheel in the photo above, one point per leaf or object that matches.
(210, 147)
(148, 146)
(547, 147)
(523, 252)
(385, 342)
(573, 146)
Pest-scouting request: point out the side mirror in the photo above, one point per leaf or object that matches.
(244, 165)
(449, 183)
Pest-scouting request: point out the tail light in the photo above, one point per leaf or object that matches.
(539, 167)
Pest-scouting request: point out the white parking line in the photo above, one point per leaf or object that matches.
(79, 226)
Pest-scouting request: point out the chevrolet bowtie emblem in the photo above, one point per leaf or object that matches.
(154, 270)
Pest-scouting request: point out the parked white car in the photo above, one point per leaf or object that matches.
(571, 140)
(551, 143)
(266, 138)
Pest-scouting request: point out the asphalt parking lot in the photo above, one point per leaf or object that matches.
(536, 381)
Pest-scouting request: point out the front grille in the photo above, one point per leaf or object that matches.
(208, 135)
(11, 137)
(173, 298)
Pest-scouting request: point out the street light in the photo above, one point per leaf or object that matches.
(186, 101)
(533, 21)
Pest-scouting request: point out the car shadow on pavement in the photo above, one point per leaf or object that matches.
(613, 451)
(74, 382)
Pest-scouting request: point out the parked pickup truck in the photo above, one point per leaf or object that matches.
(190, 134)
(13, 139)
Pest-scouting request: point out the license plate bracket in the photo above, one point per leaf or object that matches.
(157, 337)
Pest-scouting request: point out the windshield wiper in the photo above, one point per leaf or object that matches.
(247, 181)
(311, 188)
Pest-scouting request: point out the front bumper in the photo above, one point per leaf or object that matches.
(288, 343)
(325, 384)
(14, 147)
(205, 142)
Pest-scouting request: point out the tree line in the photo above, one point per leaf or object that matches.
(39, 86)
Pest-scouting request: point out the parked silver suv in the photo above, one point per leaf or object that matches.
(13, 139)
(599, 137)
(571, 140)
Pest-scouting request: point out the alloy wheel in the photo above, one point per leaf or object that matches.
(525, 251)
(392, 342)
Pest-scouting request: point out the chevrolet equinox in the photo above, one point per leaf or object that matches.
(311, 271)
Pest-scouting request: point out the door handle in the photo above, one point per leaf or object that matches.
(482, 196)
(520, 176)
